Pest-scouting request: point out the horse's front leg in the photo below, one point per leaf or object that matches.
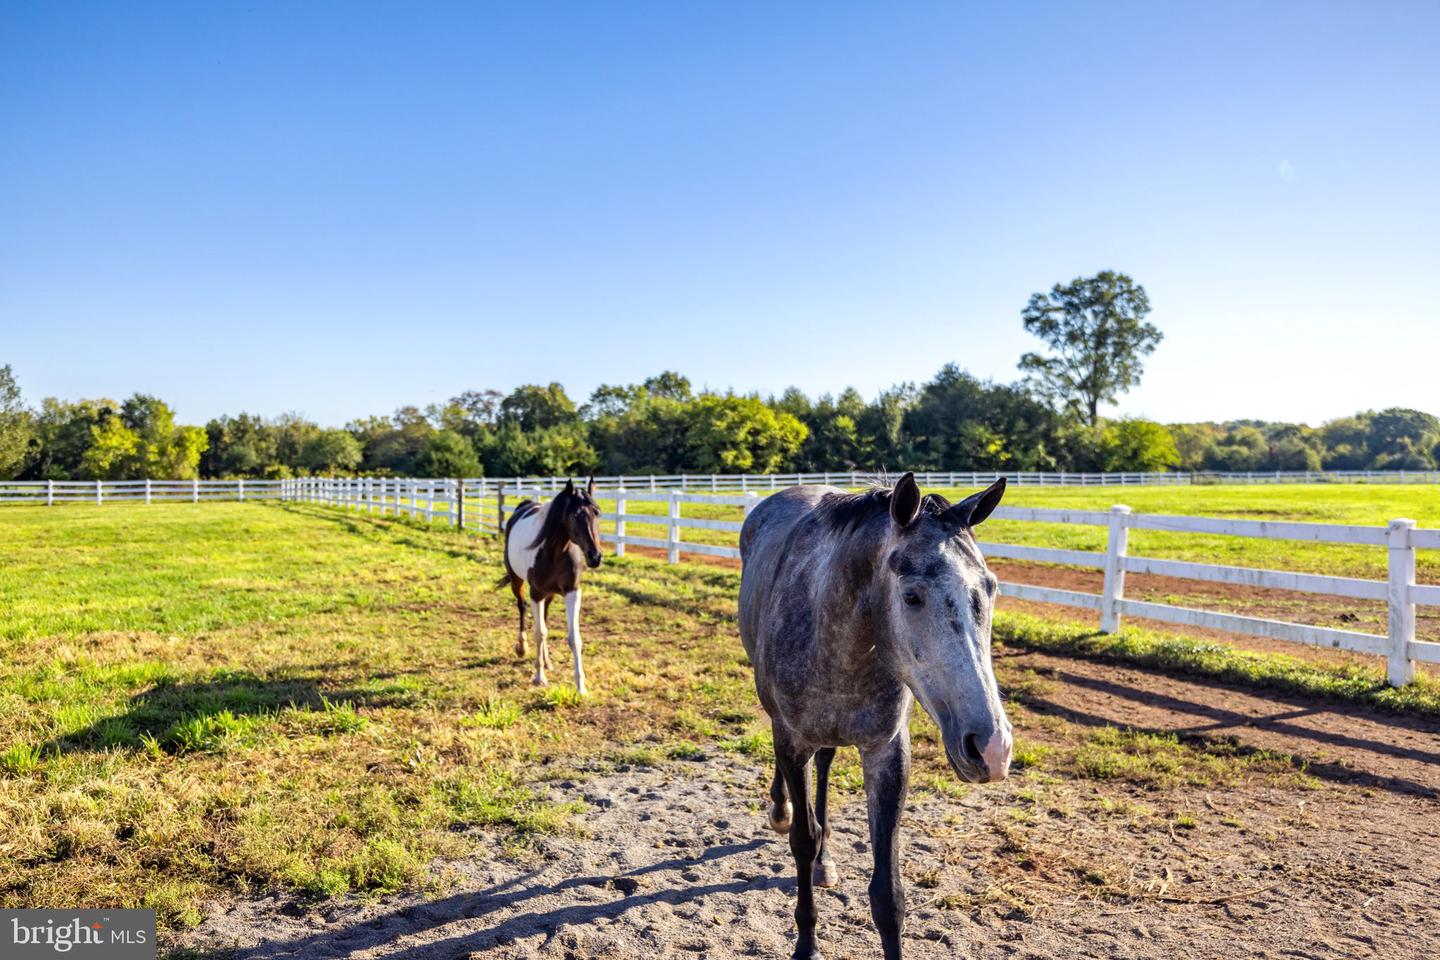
(825, 874)
(887, 781)
(537, 610)
(794, 764)
(572, 636)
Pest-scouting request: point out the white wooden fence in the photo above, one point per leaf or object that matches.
(102, 491)
(730, 482)
(483, 505)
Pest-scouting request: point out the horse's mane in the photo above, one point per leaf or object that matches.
(847, 511)
(564, 502)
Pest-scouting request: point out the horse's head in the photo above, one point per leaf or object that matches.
(582, 520)
(937, 595)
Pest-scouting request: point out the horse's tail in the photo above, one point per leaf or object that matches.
(504, 580)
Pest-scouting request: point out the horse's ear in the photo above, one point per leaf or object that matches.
(570, 486)
(905, 501)
(590, 488)
(973, 510)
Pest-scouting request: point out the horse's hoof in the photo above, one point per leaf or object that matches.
(825, 875)
(780, 817)
(811, 954)
(537, 681)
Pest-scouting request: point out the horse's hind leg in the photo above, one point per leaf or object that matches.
(545, 634)
(794, 764)
(780, 811)
(517, 587)
(825, 873)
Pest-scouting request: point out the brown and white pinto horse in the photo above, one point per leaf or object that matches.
(547, 547)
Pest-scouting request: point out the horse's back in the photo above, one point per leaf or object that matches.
(763, 539)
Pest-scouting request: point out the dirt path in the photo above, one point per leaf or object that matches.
(677, 861)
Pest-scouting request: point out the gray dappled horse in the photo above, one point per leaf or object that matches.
(850, 606)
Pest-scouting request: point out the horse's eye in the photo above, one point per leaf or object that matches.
(912, 599)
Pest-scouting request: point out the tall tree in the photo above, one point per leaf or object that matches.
(1097, 331)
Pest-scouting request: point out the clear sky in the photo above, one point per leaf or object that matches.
(340, 209)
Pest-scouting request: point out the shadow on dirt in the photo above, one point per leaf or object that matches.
(373, 933)
(1204, 717)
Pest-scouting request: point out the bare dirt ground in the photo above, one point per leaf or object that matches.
(676, 861)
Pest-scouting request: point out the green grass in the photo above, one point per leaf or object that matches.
(197, 699)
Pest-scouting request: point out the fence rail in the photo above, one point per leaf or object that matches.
(484, 505)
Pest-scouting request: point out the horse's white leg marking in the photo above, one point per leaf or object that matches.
(572, 634)
(538, 611)
(545, 629)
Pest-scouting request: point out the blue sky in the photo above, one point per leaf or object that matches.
(339, 209)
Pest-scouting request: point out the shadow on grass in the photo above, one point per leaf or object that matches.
(695, 606)
(401, 531)
(228, 707)
(382, 934)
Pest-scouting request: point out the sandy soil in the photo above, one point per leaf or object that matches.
(677, 861)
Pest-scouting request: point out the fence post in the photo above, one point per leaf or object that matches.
(460, 503)
(241, 488)
(1116, 548)
(620, 504)
(99, 496)
(1402, 607)
(672, 554)
(500, 508)
(49, 493)
(751, 500)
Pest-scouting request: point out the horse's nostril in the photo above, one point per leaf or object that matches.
(970, 746)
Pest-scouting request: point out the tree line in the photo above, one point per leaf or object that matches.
(954, 421)
(1094, 330)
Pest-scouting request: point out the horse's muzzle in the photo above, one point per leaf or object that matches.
(980, 757)
(593, 560)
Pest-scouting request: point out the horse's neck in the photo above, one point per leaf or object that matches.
(554, 545)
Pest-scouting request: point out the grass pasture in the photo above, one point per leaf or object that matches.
(198, 700)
